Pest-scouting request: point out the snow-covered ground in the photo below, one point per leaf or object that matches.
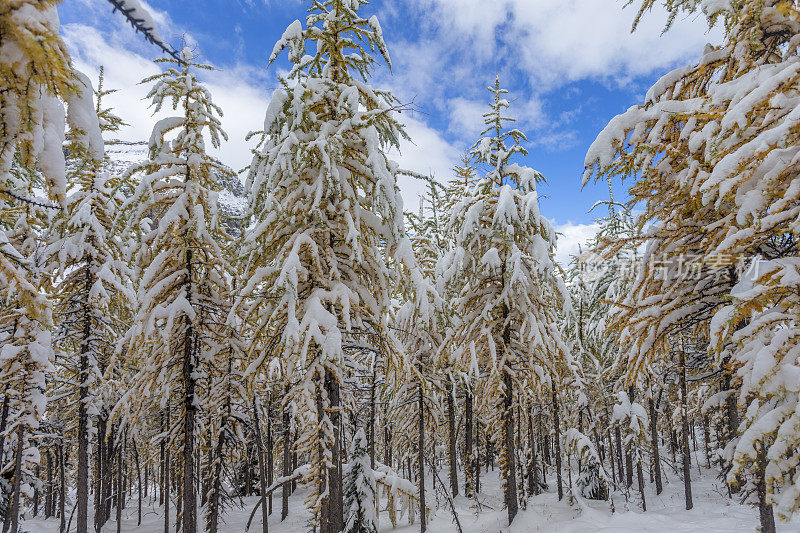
(713, 512)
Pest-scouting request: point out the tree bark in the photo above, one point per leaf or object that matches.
(557, 439)
(62, 479)
(640, 478)
(687, 474)
(654, 445)
(189, 413)
(470, 465)
(82, 480)
(764, 508)
(262, 471)
(270, 450)
(286, 461)
(13, 523)
(509, 460)
(451, 427)
(167, 479)
(421, 458)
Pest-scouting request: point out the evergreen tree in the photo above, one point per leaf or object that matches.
(328, 221)
(183, 277)
(360, 494)
(90, 275)
(508, 290)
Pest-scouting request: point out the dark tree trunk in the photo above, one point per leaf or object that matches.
(654, 444)
(371, 427)
(120, 492)
(533, 469)
(387, 449)
(640, 478)
(620, 467)
(707, 439)
(286, 461)
(82, 480)
(139, 479)
(451, 428)
(12, 521)
(470, 465)
(764, 508)
(167, 479)
(687, 474)
(270, 450)
(188, 495)
(62, 480)
(49, 505)
(612, 457)
(262, 470)
(557, 439)
(509, 460)
(333, 509)
(421, 458)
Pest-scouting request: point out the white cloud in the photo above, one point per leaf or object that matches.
(241, 99)
(429, 154)
(571, 238)
(554, 42)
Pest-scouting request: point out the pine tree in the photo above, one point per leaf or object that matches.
(328, 219)
(182, 274)
(86, 262)
(508, 291)
(360, 495)
(718, 138)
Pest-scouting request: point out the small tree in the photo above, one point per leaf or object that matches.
(360, 493)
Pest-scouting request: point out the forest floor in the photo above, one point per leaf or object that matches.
(713, 512)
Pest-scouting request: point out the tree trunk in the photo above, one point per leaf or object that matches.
(533, 468)
(286, 461)
(764, 508)
(654, 444)
(612, 457)
(270, 450)
(167, 479)
(120, 492)
(470, 465)
(451, 427)
(707, 439)
(49, 506)
(687, 474)
(509, 463)
(262, 471)
(139, 478)
(557, 439)
(189, 413)
(371, 427)
(620, 467)
(62, 480)
(12, 521)
(421, 459)
(640, 478)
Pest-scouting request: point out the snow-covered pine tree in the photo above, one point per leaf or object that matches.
(328, 237)
(183, 277)
(90, 276)
(508, 289)
(360, 493)
(35, 71)
(719, 138)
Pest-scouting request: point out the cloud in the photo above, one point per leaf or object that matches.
(429, 154)
(554, 42)
(237, 91)
(571, 238)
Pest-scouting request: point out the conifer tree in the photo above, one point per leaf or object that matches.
(91, 278)
(506, 281)
(182, 274)
(328, 218)
(360, 494)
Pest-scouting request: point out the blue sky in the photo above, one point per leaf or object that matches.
(570, 66)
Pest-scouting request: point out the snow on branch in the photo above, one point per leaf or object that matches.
(143, 23)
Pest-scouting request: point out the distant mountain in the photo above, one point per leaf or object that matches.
(232, 203)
